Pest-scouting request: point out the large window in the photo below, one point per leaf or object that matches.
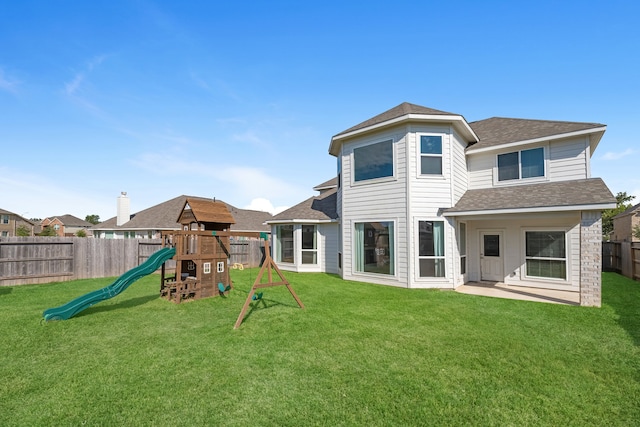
(431, 155)
(546, 254)
(374, 252)
(431, 248)
(521, 164)
(309, 245)
(373, 161)
(284, 243)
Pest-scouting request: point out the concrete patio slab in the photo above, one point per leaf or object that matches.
(502, 290)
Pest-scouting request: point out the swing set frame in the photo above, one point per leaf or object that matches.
(268, 266)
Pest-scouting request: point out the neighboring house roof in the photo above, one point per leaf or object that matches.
(164, 216)
(18, 217)
(498, 131)
(70, 221)
(547, 196)
(249, 220)
(317, 208)
(629, 211)
(404, 112)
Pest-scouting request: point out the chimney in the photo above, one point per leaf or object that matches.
(124, 209)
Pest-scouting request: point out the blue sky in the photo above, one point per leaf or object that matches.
(239, 100)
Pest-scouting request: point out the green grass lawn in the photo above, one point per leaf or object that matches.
(357, 354)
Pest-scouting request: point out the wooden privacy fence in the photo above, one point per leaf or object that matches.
(29, 260)
(622, 257)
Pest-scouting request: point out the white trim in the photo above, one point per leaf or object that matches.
(471, 150)
(354, 263)
(419, 154)
(299, 221)
(394, 163)
(522, 181)
(597, 207)
(567, 256)
(445, 258)
(470, 134)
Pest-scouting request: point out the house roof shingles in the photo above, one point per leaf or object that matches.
(71, 221)
(164, 216)
(398, 111)
(317, 208)
(500, 130)
(332, 183)
(562, 194)
(635, 209)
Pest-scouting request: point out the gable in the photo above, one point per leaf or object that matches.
(403, 114)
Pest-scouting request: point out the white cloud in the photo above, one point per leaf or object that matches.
(610, 155)
(72, 87)
(8, 84)
(250, 137)
(265, 205)
(25, 195)
(232, 183)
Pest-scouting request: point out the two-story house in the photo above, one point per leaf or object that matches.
(624, 225)
(424, 199)
(66, 225)
(11, 223)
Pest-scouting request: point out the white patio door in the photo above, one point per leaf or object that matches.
(491, 256)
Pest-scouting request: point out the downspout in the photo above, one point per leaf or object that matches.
(409, 227)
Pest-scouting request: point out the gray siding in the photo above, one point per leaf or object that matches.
(376, 201)
(329, 248)
(568, 159)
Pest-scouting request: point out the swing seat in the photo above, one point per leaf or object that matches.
(222, 289)
(257, 297)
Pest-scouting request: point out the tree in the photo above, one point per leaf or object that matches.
(81, 233)
(636, 231)
(622, 204)
(93, 219)
(23, 231)
(48, 232)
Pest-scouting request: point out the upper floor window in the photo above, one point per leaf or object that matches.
(373, 161)
(431, 155)
(5, 219)
(521, 164)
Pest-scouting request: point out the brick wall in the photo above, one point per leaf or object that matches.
(591, 259)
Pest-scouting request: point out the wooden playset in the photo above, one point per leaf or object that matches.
(202, 251)
(202, 257)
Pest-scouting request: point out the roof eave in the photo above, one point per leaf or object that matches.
(462, 126)
(598, 132)
(301, 221)
(540, 209)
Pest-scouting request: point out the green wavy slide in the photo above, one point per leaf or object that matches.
(75, 306)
